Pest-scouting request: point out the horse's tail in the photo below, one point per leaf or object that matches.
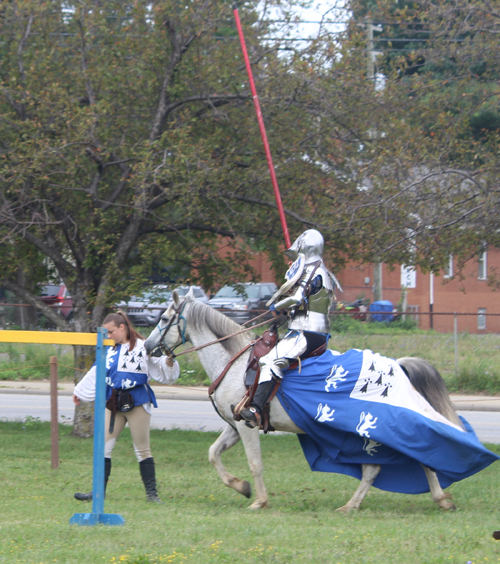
(430, 384)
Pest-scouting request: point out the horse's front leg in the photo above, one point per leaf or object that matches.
(369, 473)
(443, 499)
(251, 442)
(227, 439)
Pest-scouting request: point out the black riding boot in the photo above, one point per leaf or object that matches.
(147, 468)
(253, 414)
(107, 472)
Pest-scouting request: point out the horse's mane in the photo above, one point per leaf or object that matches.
(220, 325)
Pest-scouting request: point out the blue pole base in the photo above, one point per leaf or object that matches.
(91, 519)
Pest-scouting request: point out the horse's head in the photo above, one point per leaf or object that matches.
(171, 329)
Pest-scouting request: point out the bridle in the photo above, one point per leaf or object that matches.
(172, 322)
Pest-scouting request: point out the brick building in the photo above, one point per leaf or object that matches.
(476, 304)
(435, 299)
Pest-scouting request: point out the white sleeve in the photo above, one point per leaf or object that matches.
(161, 372)
(85, 389)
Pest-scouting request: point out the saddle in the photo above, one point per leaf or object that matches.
(260, 349)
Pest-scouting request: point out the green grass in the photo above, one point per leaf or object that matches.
(19, 361)
(203, 522)
(474, 369)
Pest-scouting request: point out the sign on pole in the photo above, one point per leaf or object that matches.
(408, 277)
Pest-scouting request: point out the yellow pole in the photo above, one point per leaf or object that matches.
(52, 338)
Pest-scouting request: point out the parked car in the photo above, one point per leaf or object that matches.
(57, 296)
(146, 310)
(357, 309)
(243, 302)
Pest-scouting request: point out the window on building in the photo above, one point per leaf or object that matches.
(481, 318)
(483, 267)
(448, 269)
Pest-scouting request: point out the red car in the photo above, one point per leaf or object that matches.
(57, 296)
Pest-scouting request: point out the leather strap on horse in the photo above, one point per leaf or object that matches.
(215, 383)
(246, 401)
(317, 352)
(262, 346)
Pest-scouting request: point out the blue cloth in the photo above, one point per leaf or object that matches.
(128, 370)
(360, 408)
(381, 311)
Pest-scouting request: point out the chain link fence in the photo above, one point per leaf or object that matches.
(23, 316)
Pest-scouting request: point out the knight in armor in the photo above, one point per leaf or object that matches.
(306, 297)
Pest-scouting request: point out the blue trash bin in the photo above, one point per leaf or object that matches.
(381, 311)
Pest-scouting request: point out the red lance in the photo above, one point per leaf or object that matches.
(262, 130)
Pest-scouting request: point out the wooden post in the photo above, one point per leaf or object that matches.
(54, 425)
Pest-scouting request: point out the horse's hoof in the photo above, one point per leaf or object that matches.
(447, 505)
(246, 489)
(241, 486)
(258, 505)
(345, 509)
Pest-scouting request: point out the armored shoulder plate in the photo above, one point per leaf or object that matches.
(292, 276)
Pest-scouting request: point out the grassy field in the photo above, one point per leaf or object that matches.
(203, 522)
(472, 366)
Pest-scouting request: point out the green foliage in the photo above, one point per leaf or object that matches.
(342, 323)
(479, 376)
(129, 145)
(192, 372)
(31, 362)
(204, 522)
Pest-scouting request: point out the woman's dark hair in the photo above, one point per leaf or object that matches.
(121, 318)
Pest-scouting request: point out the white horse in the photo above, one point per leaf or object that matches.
(189, 320)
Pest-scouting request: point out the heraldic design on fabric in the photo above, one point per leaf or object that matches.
(360, 408)
(128, 370)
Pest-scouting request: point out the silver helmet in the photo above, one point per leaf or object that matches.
(310, 244)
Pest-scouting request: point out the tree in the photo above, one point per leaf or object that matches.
(423, 160)
(128, 139)
(128, 142)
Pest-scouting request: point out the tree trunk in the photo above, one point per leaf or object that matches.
(377, 282)
(83, 421)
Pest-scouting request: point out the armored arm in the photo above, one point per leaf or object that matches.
(302, 290)
(293, 300)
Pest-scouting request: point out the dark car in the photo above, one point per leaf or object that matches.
(243, 302)
(146, 310)
(57, 296)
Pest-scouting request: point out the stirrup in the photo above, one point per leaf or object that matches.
(251, 416)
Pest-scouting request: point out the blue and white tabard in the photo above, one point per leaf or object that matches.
(360, 408)
(128, 370)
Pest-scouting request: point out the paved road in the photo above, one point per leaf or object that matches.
(191, 414)
(171, 414)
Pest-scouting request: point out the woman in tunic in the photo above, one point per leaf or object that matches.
(129, 396)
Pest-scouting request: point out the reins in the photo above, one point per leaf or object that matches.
(182, 333)
(193, 349)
